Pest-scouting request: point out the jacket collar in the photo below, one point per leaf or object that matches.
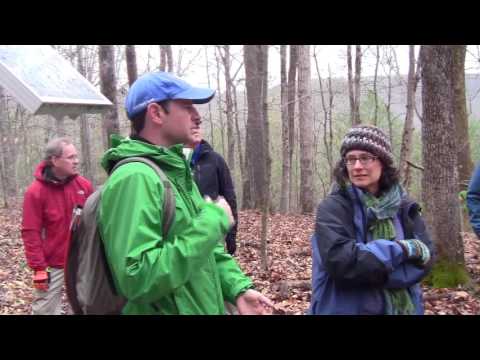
(139, 138)
(44, 173)
(200, 150)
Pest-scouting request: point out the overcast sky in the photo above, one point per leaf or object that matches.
(193, 63)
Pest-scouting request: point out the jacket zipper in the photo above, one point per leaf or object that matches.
(194, 211)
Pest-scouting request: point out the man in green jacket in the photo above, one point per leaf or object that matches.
(188, 271)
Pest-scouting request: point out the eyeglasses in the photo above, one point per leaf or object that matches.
(364, 160)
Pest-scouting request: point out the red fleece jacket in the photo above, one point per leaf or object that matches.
(47, 213)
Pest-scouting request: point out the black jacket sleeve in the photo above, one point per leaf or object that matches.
(227, 190)
(346, 263)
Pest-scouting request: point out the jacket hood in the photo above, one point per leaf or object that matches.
(205, 147)
(44, 174)
(171, 159)
(200, 150)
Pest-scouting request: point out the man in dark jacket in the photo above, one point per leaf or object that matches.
(212, 176)
(47, 213)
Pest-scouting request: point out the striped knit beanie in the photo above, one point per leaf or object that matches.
(368, 138)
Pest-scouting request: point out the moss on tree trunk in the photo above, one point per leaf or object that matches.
(447, 274)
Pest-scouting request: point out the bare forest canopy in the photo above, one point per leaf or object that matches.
(390, 85)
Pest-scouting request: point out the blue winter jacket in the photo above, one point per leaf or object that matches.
(473, 200)
(349, 269)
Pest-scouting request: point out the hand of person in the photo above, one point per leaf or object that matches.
(40, 280)
(415, 250)
(221, 202)
(251, 302)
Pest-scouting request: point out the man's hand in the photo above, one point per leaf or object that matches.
(221, 202)
(251, 302)
(40, 280)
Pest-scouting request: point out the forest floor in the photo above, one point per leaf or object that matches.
(287, 281)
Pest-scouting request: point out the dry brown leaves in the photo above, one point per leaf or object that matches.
(287, 281)
(462, 300)
(15, 291)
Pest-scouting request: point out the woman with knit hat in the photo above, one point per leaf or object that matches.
(370, 247)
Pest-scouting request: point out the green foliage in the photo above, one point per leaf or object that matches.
(447, 274)
(462, 197)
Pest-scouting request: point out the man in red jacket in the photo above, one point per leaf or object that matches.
(47, 215)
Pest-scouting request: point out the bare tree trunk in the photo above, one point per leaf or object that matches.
(255, 126)
(358, 71)
(87, 168)
(247, 192)
(131, 58)
(375, 94)
(108, 85)
(168, 50)
(8, 149)
(297, 167)
(351, 95)
(4, 185)
(406, 148)
(25, 141)
(330, 131)
(464, 160)
(239, 135)
(285, 135)
(166, 58)
(119, 57)
(209, 103)
(327, 120)
(306, 129)
(465, 164)
(389, 104)
(418, 75)
(291, 96)
(267, 160)
(219, 103)
(91, 62)
(163, 58)
(13, 150)
(60, 125)
(440, 178)
(3, 151)
(229, 103)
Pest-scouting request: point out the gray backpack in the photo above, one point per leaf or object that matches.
(88, 279)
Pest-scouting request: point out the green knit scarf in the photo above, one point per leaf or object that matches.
(385, 207)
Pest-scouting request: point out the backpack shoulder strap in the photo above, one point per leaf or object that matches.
(169, 200)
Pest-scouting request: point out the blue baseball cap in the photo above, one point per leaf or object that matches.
(159, 86)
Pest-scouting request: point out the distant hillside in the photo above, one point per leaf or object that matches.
(398, 94)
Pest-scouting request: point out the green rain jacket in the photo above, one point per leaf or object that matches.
(188, 272)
